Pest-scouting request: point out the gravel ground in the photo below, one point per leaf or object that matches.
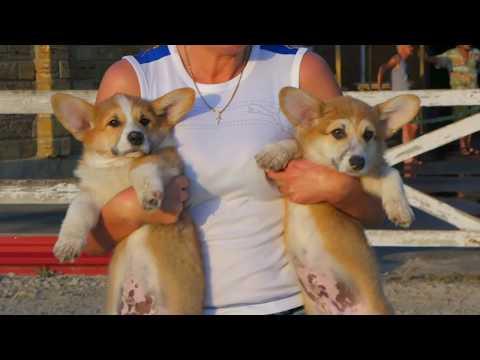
(426, 283)
(57, 295)
(61, 295)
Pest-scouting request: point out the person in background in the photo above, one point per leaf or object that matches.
(397, 65)
(462, 65)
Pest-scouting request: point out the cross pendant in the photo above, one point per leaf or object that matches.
(219, 116)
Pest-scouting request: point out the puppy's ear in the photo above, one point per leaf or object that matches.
(174, 105)
(75, 114)
(397, 112)
(300, 108)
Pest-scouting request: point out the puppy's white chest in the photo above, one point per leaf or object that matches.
(103, 183)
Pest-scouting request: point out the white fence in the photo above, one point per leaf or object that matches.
(467, 235)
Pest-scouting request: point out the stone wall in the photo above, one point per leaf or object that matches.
(17, 72)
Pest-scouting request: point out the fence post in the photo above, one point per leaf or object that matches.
(43, 82)
(338, 64)
(421, 61)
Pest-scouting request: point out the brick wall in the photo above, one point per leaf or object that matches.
(16, 67)
(17, 72)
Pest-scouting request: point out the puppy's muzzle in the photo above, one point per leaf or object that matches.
(136, 138)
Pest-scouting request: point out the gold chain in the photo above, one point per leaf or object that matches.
(214, 109)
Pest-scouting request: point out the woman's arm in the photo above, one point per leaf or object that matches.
(308, 183)
(441, 61)
(123, 214)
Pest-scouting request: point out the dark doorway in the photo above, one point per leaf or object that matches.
(439, 78)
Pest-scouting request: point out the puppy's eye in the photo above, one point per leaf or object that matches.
(368, 135)
(144, 121)
(339, 134)
(114, 123)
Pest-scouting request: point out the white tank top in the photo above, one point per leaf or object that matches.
(239, 214)
(399, 77)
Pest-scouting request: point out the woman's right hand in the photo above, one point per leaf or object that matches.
(124, 214)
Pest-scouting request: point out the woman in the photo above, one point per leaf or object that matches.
(237, 211)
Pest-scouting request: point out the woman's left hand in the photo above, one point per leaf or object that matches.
(304, 182)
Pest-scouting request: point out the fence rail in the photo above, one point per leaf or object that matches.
(468, 234)
(38, 102)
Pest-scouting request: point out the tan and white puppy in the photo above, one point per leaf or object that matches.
(127, 142)
(335, 267)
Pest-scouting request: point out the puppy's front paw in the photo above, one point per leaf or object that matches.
(69, 246)
(273, 157)
(152, 200)
(399, 212)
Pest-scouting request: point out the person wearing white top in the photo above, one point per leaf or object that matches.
(236, 207)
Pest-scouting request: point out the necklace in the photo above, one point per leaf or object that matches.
(218, 112)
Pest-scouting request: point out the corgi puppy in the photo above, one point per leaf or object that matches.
(336, 270)
(127, 143)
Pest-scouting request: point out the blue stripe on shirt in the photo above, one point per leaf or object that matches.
(154, 54)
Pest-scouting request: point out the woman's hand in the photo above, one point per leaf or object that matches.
(124, 214)
(304, 182)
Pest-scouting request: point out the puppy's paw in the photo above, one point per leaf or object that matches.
(273, 157)
(69, 246)
(150, 192)
(399, 212)
(152, 200)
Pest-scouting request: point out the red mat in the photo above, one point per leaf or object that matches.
(28, 255)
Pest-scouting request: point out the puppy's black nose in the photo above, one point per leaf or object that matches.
(357, 163)
(136, 138)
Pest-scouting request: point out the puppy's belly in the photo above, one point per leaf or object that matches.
(304, 239)
(325, 284)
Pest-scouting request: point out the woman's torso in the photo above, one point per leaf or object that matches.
(238, 213)
(399, 75)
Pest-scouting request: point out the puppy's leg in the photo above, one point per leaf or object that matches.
(116, 280)
(82, 216)
(148, 176)
(327, 293)
(277, 156)
(389, 187)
